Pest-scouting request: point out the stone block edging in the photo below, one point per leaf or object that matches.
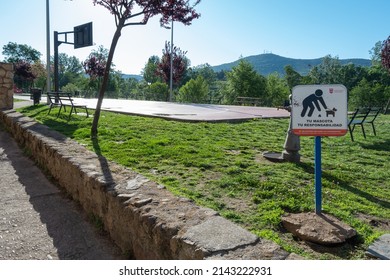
(6, 86)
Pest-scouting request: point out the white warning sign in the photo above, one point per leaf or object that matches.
(319, 110)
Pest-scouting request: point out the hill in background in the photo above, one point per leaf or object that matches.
(132, 76)
(268, 63)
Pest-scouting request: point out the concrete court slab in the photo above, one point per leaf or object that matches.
(186, 112)
(178, 111)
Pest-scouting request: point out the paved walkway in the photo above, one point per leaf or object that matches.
(36, 220)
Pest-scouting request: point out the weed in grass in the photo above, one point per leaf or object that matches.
(97, 222)
(231, 215)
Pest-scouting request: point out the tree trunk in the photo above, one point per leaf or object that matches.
(94, 128)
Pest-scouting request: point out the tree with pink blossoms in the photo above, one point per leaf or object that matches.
(385, 54)
(138, 12)
(180, 64)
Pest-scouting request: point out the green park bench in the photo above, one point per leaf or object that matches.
(362, 116)
(63, 100)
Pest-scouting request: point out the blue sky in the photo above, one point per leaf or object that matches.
(226, 30)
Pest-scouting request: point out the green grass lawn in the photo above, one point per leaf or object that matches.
(220, 165)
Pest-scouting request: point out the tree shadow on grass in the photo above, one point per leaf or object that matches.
(61, 126)
(38, 110)
(347, 186)
(381, 146)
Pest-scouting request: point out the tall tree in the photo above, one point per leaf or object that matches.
(179, 64)
(293, 78)
(150, 71)
(243, 80)
(94, 66)
(15, 52)
(39, 71)
(24, 75)
(277, 90)
(328, 72)
(375, 53)
(70, 68)
(351, 75)
(194, 91)
(385, 54)
(204, 70)
(138, 12)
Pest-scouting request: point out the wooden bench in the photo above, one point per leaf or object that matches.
(63, 100)
(251, 101)
(363, 116)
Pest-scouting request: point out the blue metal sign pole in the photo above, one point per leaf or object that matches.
(318, 174)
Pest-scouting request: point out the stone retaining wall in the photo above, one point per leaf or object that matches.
(6, 86)
(143, 218)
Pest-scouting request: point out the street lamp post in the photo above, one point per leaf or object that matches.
(48, 79)
(48, 86)
(171, 73)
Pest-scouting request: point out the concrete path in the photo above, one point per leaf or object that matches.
(37, 221)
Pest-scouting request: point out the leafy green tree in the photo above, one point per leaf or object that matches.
(205, 71)
(70, 68)
(69, 64)
(140, 92)
(16, 52)
(194, 91)
(127, 87)
(210, 76)
(277, 90)
(375, 53)
(378, 74)
(351, 75)
(150, 70)
(243, 80)
(221, 75)
(293, 78)
(328, 72)
(217, 92)
(39, 71)
(368, 94)
(70, 88)
(373, 88)
(157, 91)
(113, 86)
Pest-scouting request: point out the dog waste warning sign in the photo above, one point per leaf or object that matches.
(319, 110)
